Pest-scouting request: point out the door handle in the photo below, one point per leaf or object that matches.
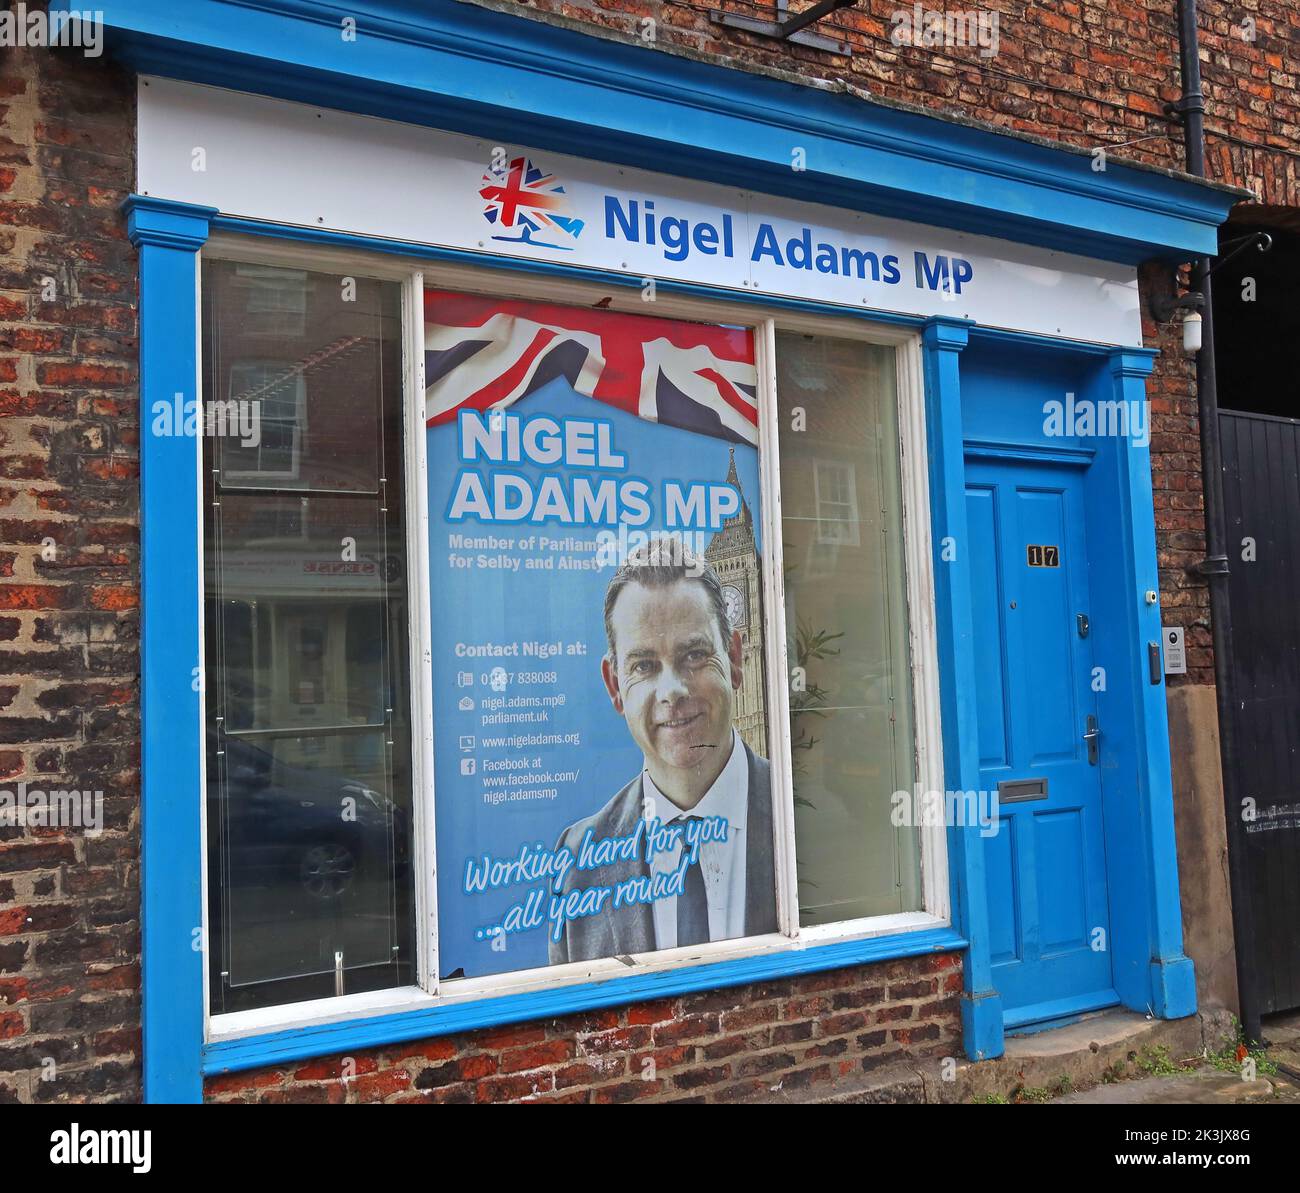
(1092, 735)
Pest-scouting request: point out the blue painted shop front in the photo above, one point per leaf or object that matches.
(1044, 564)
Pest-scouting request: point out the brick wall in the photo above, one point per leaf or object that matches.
(69, 715)
(799, 1037)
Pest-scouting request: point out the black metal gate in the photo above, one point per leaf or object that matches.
(1261, 462)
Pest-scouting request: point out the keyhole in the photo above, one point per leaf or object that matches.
(1013, 604)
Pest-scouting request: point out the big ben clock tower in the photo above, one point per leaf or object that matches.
(733, 555)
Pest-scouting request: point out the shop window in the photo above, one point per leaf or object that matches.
(596, 493)
(621, 771)
(309, 774)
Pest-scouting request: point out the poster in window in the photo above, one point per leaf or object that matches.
(600, 716)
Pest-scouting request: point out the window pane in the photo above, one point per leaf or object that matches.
(851, 711)
(294, 391)
(307, 694)
(296, 615)
(310, 837)
(574, 753)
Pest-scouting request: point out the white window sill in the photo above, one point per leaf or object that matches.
(355, 1007)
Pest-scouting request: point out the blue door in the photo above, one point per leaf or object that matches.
(1041, 747)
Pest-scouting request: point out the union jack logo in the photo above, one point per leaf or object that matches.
(525, 199)
(486, 353)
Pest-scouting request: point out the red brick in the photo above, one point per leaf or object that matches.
(333, 1068)
(473, 1067)
(377, 1087)
(36, 596)
(513, 1036)
(577, 1074)
(534, 1056)
(890, 1014)
(576, 1098)
(13, 920)
(233, 1083)
(79, 374)
(650, 1012)
(690, 1027)
(626, 1091)
(510, 1089)
(440, 1049)
(748, 1016)
(623, 1039)
(114, 598)
(835, 1025)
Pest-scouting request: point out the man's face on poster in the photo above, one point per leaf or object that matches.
(676, 675)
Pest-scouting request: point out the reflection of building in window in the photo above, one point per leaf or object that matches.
(280, 394)
(337, 447)
(276, 298)
(304, 649)
(836, 492)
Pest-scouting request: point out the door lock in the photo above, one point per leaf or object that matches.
(1092, 735)
(1081, 620)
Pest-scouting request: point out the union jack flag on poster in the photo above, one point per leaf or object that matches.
(489, 353)
(525, 199)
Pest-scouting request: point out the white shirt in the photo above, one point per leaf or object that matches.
(722, 862)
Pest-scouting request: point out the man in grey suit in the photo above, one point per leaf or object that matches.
(672, 671)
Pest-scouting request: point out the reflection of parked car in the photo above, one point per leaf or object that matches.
(298, 830)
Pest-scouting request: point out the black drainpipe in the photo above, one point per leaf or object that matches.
(1215, 565)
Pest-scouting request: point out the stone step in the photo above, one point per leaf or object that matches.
(1206, 1087)
(1048, 1064)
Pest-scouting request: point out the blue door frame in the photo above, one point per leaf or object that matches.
(1003, 415)
(963, 363)
(447, 64)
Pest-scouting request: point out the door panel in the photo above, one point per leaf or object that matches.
(1048, 911)
(990, 649)
(1044, 655)
(1000, 864)
(1062, 880)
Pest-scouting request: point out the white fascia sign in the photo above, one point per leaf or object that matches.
(272, 160)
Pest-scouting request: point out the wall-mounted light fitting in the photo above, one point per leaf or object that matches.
(1167, 302)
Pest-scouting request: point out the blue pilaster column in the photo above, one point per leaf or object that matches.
(1172, 975)
(981, 1006)
(168, 237)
